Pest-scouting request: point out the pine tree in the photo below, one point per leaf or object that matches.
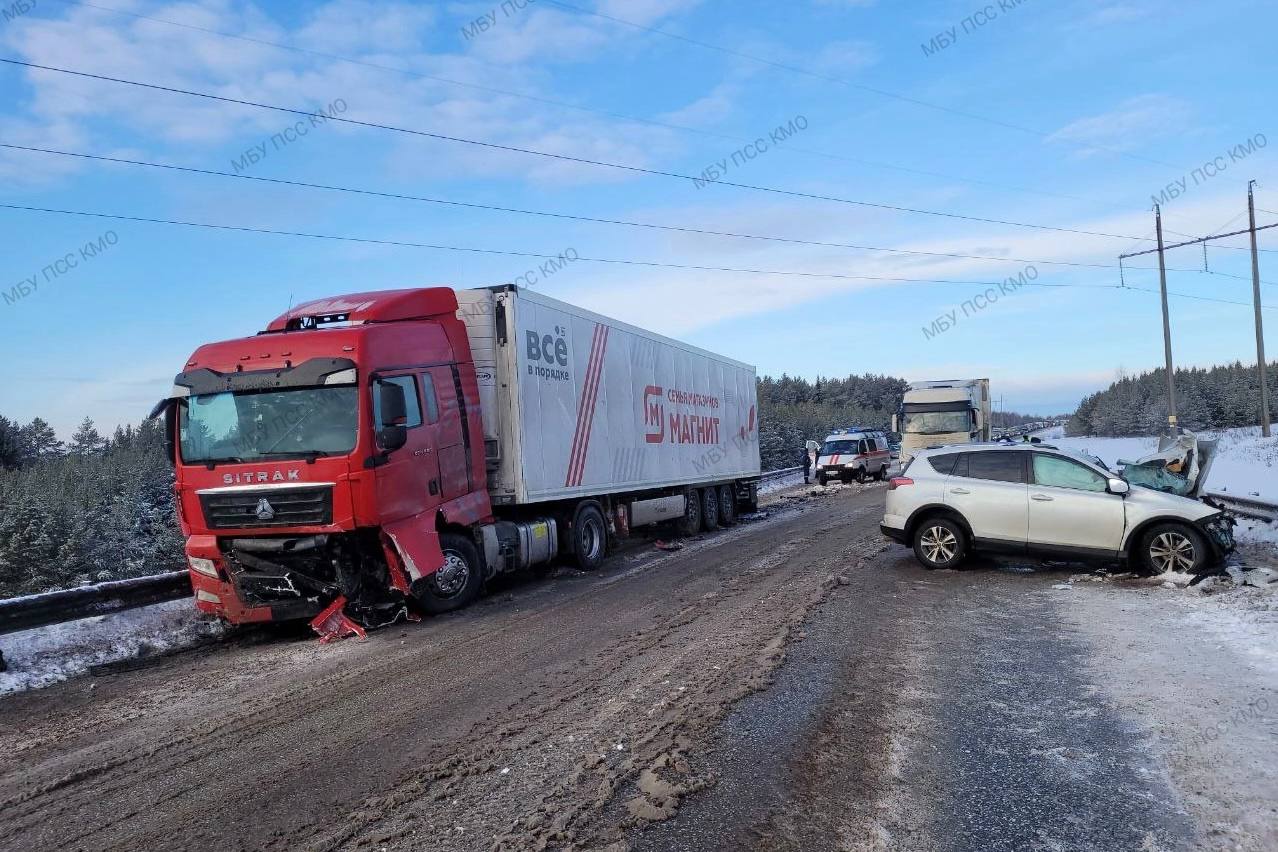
(10, 444)
(39, 441)
(87, 441)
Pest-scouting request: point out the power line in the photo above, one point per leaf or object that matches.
(612, 261)
(576, 107)
(1198, 240)
(568, 158)
(551, 214)
(843, 82)
(581, 218)
(509, 253)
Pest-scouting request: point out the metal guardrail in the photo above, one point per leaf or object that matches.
(32, 611)
(778, 474)
(1247, 507)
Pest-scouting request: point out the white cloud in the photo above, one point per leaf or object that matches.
(1130, 125)
(79, 113)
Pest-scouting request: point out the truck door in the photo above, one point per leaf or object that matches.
(443, 409)
(408, 481)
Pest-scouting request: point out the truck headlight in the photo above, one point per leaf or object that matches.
(204, 566)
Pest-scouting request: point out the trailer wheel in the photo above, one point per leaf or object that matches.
(691, 523)
(727, 506)
(457, 582)
(589, 537)
(710, 509)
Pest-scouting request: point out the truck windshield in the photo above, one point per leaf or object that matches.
(937, 422)
(269, 424)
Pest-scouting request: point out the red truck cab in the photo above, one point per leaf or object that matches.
(327, 455)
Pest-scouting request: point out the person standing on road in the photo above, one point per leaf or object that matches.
(807, 464)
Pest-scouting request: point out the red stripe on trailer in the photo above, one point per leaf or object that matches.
(590, 398)
(584, 410)
(590, 416)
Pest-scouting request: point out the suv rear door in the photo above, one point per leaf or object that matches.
(1071, 508)
(989, 488)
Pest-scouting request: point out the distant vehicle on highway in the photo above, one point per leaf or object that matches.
(947, 412)
(854, 454)
(1037, 499)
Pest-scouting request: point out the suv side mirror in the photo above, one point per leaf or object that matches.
(392, 433)
(1118, 486)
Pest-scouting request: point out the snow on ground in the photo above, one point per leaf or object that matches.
(47, 655)
(1242, 617)
(781, 483)
(1256, 532)
(1246, 465)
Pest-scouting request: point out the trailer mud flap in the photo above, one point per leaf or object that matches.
(417, 547)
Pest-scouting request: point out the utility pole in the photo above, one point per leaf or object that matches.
(1260, 328)
(1167, 347)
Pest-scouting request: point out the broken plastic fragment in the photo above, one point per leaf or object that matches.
(332, 624)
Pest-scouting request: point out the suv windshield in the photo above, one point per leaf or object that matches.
(269, 424)
(937, 422)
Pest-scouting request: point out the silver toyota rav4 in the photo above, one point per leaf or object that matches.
(1036, 499)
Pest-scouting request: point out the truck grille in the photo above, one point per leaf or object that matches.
(284, 507)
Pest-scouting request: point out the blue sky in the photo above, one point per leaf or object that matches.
(1068, 114)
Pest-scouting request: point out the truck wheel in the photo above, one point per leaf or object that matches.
(860, 474)
(821, 480)
(939, 543)
(589, 537)
(882, 474)
(457, 582)
(727, 506)
(1173, 547)
(710, 509)
(691, 523)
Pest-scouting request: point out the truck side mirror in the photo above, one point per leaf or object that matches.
(392, 403)
(979, 416)
(167, 408)
(895, 424)
(392, 433)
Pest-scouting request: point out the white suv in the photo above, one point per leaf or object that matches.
(950, 501)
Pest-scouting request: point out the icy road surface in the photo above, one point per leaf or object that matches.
(793, 684)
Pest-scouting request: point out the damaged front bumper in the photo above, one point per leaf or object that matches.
(1218, 530)
(291, 578)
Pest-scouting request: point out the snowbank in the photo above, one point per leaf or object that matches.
(47, 655)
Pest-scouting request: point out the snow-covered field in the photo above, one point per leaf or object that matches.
(1246, 464)
(47, 655)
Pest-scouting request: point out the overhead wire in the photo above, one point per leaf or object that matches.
(600, 260)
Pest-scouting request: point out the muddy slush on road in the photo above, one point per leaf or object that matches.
(794, 683)
(561, 714)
